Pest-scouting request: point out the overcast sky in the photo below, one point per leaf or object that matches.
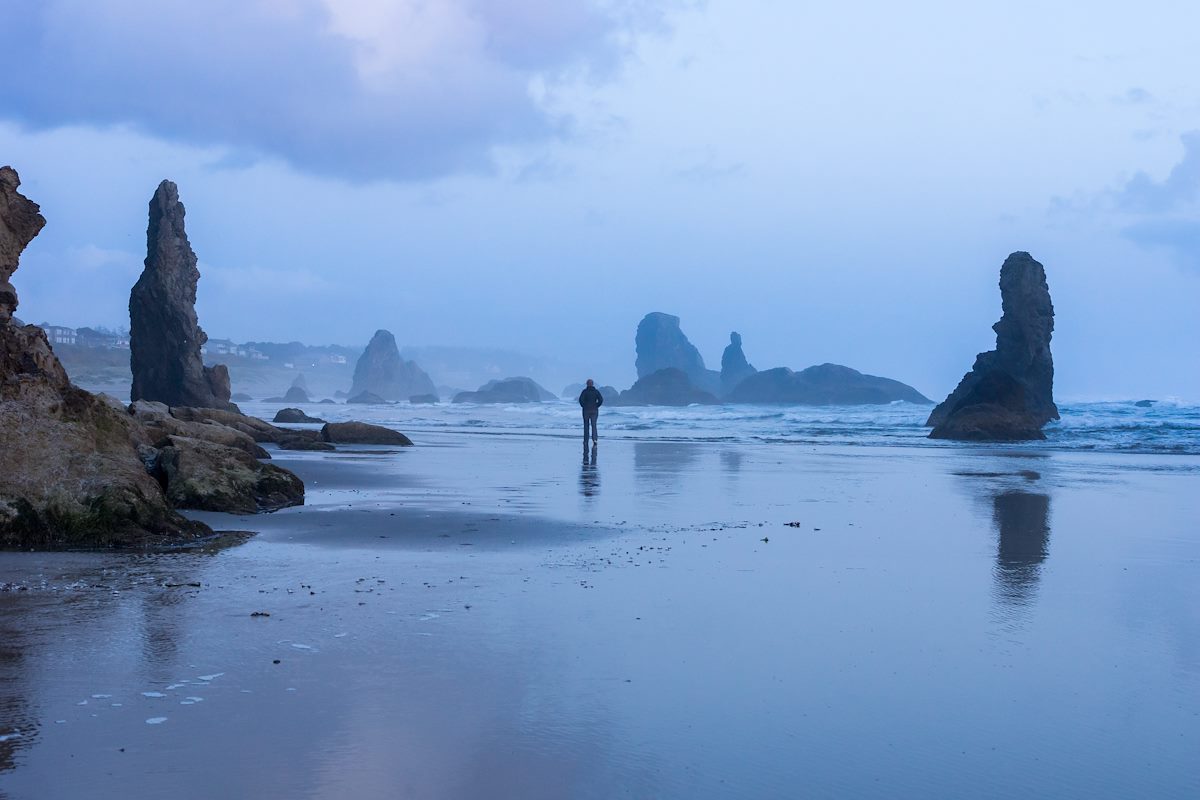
(838, 182)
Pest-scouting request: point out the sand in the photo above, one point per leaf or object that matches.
(494, 616)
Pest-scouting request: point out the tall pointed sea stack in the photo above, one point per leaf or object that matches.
(1009, 394)
(382, 372)
(164, 335)
(734, 366)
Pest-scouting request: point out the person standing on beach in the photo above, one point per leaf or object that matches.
(590, 401)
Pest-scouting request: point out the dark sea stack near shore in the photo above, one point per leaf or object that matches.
(666, 387)
(734, 366)
(508, 390)
(382, 372)
(72, 475)
(661, 344)
(823, 385)
(1009, 393)
(294, 415)
(298, 391)
(164, 335)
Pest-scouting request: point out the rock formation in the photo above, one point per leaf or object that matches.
(82, 471)
(1009, 393)
(72, 475)
(381, 371)
(362, 433)
(666, 387)
(824, 385)
(508, 390)
(20, 221)
(661, 344)
(293, 415)
(298, 391)
(164, 335)
(423, 399)
(734, 366)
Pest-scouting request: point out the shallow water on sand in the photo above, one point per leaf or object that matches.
(505, 616)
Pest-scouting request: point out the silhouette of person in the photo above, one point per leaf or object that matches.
(590, 401)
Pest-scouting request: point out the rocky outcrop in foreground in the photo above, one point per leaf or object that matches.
(508, 390)
(72, 473)
(1009, 393)
(824, 385)
(661, 344)
(381, 371)
(666, 387)
(164, 335)
(734, 366)
(82, 471)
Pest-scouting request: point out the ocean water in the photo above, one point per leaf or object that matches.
(1169, 426)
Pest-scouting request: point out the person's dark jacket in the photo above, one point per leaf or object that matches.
(591, 400)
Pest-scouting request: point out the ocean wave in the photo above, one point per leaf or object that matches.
(1117, 426)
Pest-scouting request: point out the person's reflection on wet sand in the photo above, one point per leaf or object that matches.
(1023, 525)
(589, 475)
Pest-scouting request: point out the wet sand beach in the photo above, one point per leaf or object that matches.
(502, 616)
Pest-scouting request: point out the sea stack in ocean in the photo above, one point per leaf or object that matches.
(1009, 393)
(381, 372)
(164, 335)
(661, 344)
(734, 366)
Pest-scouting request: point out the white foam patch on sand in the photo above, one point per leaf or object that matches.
(299, 646)
(156, 720)
(212, 677)
(153, 694)
(176, 686)
(4, 737)
(101, 696)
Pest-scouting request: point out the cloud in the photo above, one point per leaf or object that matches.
(1134, 96)
(1163, 214)
(356, 89)
(1180, 237)
(1143, 194)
